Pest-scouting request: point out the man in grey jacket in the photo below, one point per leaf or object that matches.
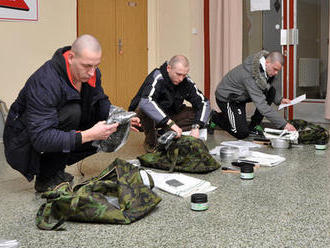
(252, 81)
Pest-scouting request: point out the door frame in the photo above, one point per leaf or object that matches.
(289, 72)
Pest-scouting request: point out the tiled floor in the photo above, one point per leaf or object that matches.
(283, 206)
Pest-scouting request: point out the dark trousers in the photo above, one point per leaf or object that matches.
(232, 119)
(233, 116)
(51, 162)
(184, 119)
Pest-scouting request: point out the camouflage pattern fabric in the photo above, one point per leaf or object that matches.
(310, 133)
(89, 201)
(186, 154)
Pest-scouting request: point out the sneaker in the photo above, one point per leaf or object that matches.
(210, 127)
(43, 184)
(257, 131)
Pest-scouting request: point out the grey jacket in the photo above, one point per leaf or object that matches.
(249, 83)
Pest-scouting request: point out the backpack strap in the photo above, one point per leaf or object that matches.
(174, 159)
(43, 219)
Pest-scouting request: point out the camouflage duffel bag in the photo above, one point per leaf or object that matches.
(310, 133)
(185, 154)
(117, 196)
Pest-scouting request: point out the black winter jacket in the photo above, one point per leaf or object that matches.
(158, 97)
(32, 121)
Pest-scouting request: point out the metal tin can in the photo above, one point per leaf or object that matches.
(247, 172)
(199, 202)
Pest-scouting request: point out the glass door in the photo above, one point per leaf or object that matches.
(300, 29)
(305, 38)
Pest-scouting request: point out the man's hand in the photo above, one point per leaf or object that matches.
(285, 101)
(100, 131)
(176, 129)
(289, 127)
(135, 122)
(195, 132)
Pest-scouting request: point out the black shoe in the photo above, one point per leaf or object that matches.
(210, 128)
(66, 177)
(211, 124)
(256, 131)
(43, 184)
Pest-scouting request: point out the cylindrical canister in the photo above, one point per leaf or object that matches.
(199, 202)
(247, 172)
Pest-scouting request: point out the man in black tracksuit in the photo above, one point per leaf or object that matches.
(159, 102)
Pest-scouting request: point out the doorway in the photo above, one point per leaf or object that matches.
(121, 28)
(300, 29)
(308, 57)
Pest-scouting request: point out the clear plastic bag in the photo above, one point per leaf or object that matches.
(166, 139)
(116, 140)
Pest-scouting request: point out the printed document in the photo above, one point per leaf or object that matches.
(293, 102)
(180, 184)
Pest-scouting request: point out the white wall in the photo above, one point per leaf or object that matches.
(27, 45)
(170, 32)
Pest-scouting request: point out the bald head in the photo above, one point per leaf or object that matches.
(84, 58)
(275, 57)
(178, 68)
(179, 59)
(87, 42)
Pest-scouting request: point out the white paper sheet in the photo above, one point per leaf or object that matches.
(180, 184)
(258, 5)
(265, 159)
(241, 143)
(293, 102)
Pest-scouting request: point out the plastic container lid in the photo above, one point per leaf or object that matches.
(246, 168)
(199, 198)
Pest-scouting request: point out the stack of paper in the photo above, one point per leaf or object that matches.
(241, 143)
(179, 184)
(264, 159)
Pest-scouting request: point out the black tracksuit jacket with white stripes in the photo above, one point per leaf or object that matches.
(158, 97)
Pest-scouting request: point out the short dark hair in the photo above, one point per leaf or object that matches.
(275, 57)
(179, 59)
(86, 41)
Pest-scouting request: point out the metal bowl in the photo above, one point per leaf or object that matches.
(280, 143)
(229, 153)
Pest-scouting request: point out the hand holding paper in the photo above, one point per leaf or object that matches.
(293, 102)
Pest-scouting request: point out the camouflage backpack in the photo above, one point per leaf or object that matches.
(310, 133)
(116, 196)
(186, 154)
